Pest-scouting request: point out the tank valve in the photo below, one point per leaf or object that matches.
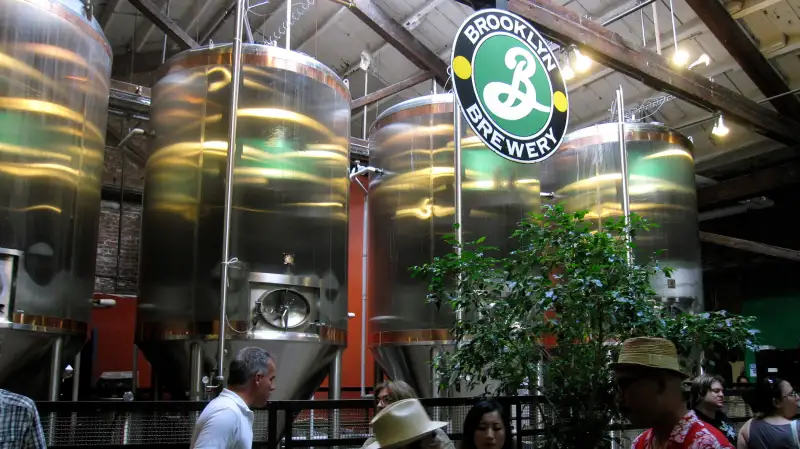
(128, 396)
(288, 259)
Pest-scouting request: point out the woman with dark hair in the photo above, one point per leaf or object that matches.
(775, 404)
(486, 427)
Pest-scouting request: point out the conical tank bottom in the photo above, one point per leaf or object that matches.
(302, 366)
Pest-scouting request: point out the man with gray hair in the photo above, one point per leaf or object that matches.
(227, 421)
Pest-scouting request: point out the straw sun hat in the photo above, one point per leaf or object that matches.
(650, 352)
(401, 423)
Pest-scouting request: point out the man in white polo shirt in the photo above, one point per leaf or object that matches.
(227, 421)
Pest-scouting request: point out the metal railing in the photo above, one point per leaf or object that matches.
(170, 423)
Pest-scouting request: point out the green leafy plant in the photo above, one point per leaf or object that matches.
(557, 306)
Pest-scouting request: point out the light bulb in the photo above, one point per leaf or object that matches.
(720, 130)
(567, 73)
(680, 58)
(582, 62)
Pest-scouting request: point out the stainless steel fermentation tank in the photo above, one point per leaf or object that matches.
(55, 67)
(585, 173)
(412, 206)
(287, 289)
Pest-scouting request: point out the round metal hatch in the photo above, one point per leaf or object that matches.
(284, 308)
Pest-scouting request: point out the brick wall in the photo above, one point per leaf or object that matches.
(109, 278)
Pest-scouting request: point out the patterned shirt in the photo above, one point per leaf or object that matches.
(689, 433)
(19, 422)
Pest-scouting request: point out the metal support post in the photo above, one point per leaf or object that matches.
(196, 389)
(135, 371)
(76, 377)
(236, 62)
(54, 386)
(656, 28)
(335, 390)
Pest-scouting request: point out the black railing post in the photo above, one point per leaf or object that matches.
(272, 428)
(518, 407)
(288, 421)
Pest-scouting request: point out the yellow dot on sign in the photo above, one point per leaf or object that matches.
(462, 67)
(560, 101)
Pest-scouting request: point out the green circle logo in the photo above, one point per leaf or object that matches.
(509, 85)
(512, 85)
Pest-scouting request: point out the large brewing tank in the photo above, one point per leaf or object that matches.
(412, 207)
(55, 66)
(585, 173)
(289, 222)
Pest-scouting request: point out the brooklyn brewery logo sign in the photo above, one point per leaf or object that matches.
(509, 84)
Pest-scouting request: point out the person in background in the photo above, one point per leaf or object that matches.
(775, 403)
(649, 384)
(227, 421)
(387, 393)
(486, 427)
(708, 398)
(19, 422)
(403, 425)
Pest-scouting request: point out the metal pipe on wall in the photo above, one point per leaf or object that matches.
(623, 155)
(627, 12)
(458, 179)
(364, 115)
(288, 24)
(164, 46)
(54, 384)
(236, 62)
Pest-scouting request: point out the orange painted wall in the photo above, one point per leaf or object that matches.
(351, 360)
(115, 328)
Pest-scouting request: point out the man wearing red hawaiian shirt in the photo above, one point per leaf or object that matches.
(649, 381)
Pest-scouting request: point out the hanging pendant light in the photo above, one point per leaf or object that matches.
(720, 130)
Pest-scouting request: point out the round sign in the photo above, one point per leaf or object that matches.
(509, 85)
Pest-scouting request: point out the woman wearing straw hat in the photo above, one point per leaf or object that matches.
(403, 425)
(649, 383)
(389, 392)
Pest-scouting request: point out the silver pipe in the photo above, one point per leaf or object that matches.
(627, 12)
(644, 34)
(129, 136)
(76, 377)
(164, 46)
(135, 370)
(236, 62)
(435, 87)
(623, 155)
(288, 24)
(364, 260)
(656, 28)
(54, 386)
(335, 391)
(458, 180)
(364, 123)
(196, 365)
(674, 29)
(248, 31)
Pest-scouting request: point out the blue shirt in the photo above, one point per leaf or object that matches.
(226, 423)
(19, 422)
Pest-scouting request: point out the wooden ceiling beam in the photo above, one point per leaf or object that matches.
(748, 186)
(394, 33)
(746, 54)
(165, 24)
(606, 47)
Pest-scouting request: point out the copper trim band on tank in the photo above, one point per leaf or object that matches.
(205, 57)
(47, 324)
(411, 337)
(210, 331)
(427, 109)
(70, 16)
(665, 135)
